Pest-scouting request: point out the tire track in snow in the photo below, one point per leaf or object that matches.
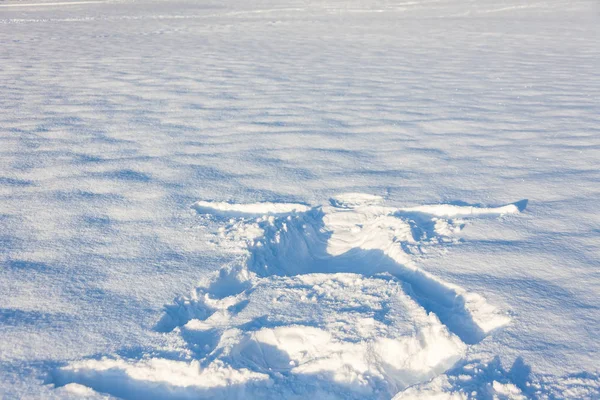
(327, 301)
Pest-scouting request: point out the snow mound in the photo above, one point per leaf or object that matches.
(327, 301)
(234, 210)
(79, 390)
(448, 210)
(353, 200)
(157, 378)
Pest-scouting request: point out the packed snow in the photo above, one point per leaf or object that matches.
(302, 199)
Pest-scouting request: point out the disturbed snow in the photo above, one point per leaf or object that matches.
(328, 302)
(116, 116)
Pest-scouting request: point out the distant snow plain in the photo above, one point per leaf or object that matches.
(302, 199)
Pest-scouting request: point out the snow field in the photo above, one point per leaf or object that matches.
(115, 117)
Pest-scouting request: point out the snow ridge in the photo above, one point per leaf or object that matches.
(236, 210)
(326, 301)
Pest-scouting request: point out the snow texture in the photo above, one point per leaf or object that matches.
(328, 302)
(357, 164)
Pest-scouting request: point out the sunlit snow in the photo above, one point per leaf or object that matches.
(299, 199)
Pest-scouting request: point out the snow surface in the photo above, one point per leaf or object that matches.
(326, 303)
(332, 191)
